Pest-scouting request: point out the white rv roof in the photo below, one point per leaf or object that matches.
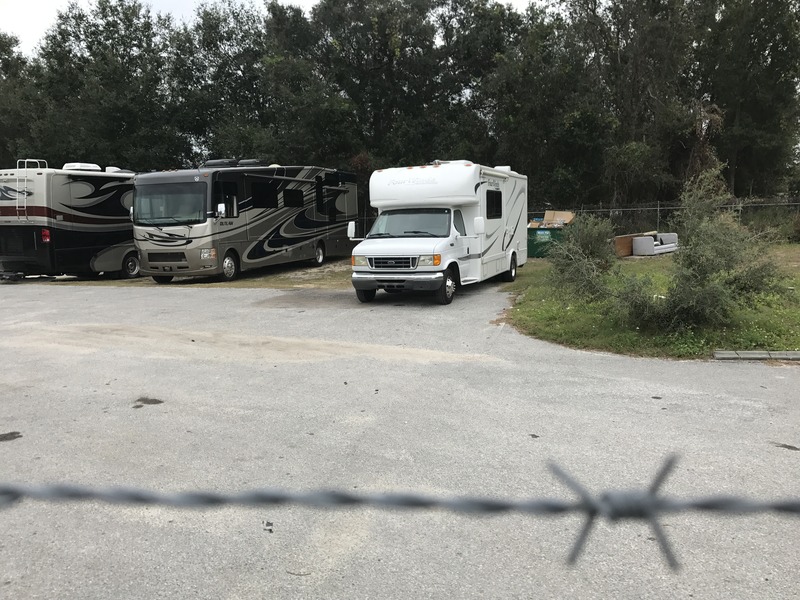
(452, 183)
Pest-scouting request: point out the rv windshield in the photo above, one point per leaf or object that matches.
(170, 203)
(412, 222)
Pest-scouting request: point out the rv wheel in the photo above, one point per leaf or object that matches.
(366, 295)
(511, 274)
(230, 267)
(319, 254)
(130, 266)
(444, 295)
(162, 278)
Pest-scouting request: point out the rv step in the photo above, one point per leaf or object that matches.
(466, 280)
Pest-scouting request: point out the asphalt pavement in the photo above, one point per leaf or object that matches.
(178, 388)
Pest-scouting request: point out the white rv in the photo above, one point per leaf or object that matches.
(234, 215)
(440, 226)
(72, 220)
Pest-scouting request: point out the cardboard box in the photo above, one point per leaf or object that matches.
(553, 219)
(557, 218)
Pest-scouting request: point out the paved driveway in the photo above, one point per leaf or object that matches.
(181, 387)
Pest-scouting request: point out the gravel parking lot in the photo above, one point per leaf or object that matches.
(195, 388)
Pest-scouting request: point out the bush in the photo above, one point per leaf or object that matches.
(719, 267)
(583, 259)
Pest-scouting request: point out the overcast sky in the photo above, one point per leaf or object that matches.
(29, 19)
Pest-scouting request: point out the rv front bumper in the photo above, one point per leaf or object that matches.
(397, 281)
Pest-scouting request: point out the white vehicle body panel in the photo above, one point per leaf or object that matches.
(496, 196)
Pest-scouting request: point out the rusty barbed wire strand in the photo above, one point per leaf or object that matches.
(613, 505)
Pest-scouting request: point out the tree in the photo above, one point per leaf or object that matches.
(381, 57)
(15, 114)
(550, 119)
(639, 58)
(102, 94)
(748, 61)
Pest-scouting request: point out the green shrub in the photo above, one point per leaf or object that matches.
(719, 267)
(638, 303)
(794, 232)
(584, 257)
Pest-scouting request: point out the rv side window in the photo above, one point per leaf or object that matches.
(293, 198)
(227, 193)
(458, 222)
(265, 195)
(494, 204)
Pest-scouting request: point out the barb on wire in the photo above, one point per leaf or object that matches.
(643, 505)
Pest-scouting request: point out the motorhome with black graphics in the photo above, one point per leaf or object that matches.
(72, 220)
(440, 226)
(234, 215)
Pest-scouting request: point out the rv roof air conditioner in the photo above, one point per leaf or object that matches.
(221, 162)
(79, 166)
(255, 162)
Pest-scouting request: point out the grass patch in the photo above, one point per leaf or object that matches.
(544, 312)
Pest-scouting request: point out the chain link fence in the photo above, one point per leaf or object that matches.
(781, 215)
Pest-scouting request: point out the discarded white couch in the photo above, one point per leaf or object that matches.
(651, 245)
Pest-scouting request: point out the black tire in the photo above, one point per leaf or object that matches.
(162, 278)
(130, 266)
(319, 255)
(511, 274)
(230, 267)
(446, 292)
(366, 295)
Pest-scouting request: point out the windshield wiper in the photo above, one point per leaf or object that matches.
(374, 235)
(425, 233)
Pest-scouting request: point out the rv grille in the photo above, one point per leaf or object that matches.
(166, 257)
(393, 262)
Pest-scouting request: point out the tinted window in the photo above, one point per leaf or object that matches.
(293, 198)
(227, 193)
(265, 195)
(494, 204)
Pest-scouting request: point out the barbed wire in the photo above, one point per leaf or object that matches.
(614, 505)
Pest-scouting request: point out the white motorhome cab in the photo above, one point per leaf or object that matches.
(440, 226)
(72, 220)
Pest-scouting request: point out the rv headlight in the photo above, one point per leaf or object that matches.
(359, 261)
(208, 253)
(430, 260)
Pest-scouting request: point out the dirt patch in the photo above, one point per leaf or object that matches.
(193, 346)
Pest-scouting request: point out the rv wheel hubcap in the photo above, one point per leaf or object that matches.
(228, 267)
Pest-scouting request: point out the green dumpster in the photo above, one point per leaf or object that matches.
(540, 238)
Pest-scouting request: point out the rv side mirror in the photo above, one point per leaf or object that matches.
(221, 211)
(479, 226)
(131, 213)
(351, 229)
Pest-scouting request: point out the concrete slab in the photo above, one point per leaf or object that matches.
(753, 354)
(784, 355)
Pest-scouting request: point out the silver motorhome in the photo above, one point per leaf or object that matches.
(229, 216)
(72, 220)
